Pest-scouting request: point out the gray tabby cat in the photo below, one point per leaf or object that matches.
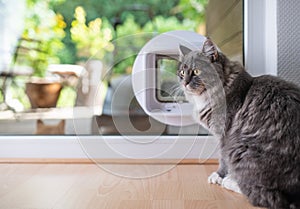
(260, 139)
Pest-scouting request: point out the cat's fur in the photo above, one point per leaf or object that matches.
(43, 129)
(260, 137)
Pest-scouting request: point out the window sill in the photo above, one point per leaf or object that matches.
(108, 148)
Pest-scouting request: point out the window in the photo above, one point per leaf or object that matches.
(87, 80)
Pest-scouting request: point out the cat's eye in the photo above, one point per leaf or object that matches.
(181, 73)
(197, 72)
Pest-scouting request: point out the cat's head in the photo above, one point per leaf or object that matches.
(196, 66)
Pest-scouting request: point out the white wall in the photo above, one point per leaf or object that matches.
(11, 27)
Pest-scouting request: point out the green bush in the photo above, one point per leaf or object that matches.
(131, 38)
(44, 25)
(93, 38)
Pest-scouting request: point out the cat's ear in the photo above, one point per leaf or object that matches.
(184, 50)
(210, 50)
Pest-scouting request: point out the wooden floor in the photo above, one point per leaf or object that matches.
(86, 186)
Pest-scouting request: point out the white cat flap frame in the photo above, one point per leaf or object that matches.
(146, 76)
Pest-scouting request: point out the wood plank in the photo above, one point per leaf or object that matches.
(41, 190)
(195, 187)
(168, 204)
(135, 204)
(83, 190)
(78, 186)
(203, 204)
(105, 161)
(12, 176)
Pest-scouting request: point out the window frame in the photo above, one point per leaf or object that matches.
(262, 13)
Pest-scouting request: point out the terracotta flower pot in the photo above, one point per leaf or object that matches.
(43, 94)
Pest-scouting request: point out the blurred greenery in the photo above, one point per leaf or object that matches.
(192, 9)
(115, 12)
(132, 17)
(67, 97)
(91, 39)
(47, 27)
(72, 31)
(129, 47)
(161, 24)
(19, 93)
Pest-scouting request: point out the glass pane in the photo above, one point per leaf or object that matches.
(168, 89)
(68, 69)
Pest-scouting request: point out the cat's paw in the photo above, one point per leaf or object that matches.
(230, 184)
(215, 178)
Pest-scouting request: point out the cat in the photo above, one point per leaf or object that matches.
(42, 129)
(260, 119)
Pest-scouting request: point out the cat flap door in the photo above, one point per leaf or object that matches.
(154, 79)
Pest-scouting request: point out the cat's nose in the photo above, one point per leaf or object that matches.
(185, 83)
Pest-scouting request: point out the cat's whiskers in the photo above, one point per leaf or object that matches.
(175, 91)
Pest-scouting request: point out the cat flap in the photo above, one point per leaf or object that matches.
(154, 74)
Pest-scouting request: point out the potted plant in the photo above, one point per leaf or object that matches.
(43, 93)
(38, 47)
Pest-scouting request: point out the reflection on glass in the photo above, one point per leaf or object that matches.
(167, 85)
(80, 93)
